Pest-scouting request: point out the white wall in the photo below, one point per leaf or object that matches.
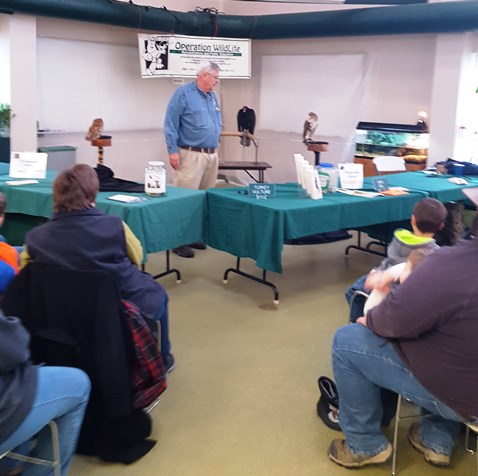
(401, 84)
(23, 82)
(109, 87)
(4, 60)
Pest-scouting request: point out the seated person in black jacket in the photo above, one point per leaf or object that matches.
(79, 236)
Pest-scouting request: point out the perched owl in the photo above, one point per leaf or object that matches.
(95, 130)
(309, 126)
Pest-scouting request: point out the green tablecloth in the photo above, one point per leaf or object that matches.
(160, 223)
(437, 186)
(250, 228)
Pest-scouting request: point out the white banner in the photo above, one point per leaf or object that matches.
(180, 56)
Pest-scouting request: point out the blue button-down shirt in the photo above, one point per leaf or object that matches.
(193, 118)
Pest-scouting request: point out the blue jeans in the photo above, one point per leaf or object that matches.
(61, 395)
(363, 363)
(162, 316)
(356, 309)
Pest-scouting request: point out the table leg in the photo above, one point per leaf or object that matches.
(262, 280)
(367, 249)
(169, 270)
(252, 176)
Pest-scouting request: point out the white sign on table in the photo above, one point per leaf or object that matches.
(262, 190)
(28, 164)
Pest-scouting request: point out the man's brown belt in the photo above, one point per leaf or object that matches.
(203, 150)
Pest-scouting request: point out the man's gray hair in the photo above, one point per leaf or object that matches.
(208, 66)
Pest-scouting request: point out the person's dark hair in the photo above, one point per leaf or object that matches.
(474, 226)
(454, 226)
(75, 189)
(430, 215)
(3, 204)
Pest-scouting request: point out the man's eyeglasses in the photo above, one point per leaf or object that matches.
(216, 78)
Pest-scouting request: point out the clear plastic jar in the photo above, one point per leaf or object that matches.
(155, 179)
(329, 174)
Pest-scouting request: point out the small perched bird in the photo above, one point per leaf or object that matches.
(310, 125)
(95, 130)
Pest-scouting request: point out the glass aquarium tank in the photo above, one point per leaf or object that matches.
(408, 141)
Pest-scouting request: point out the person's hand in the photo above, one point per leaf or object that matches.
(174, 160)
(362, 320)
(373, 280)
(379, 280)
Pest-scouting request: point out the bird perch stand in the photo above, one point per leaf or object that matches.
(317, 147)
(103, 141)
(97, 139)
(242, 134)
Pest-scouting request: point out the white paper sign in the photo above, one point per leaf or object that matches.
(19, 183)
(28, 164)
(351, 175)
(127, 198)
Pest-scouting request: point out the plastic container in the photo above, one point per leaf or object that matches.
(329, 177)
(155, 179)
(458, 169)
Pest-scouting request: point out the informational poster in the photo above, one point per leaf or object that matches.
(181, 56)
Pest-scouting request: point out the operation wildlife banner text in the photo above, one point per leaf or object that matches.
(180, 56)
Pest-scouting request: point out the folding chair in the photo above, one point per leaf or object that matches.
(474, 429)
(54, 463)
(399, 416)
(367, 248)
(355, 295)
(398, 419)
(74, 318)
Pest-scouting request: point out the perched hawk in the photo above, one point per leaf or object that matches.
(309, 126)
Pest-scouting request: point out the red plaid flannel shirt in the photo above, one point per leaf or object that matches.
(149, 378)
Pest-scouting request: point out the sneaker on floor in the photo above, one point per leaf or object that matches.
(431, 456)
(184, 252)
(199, 245)
(169, 363)
(341, 455)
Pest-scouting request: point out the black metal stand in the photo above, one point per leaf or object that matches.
(366, 249)
(260, 167)
(169, 270)
(238, 271)
(317, 158)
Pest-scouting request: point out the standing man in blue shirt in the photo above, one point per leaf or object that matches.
(192, 127)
